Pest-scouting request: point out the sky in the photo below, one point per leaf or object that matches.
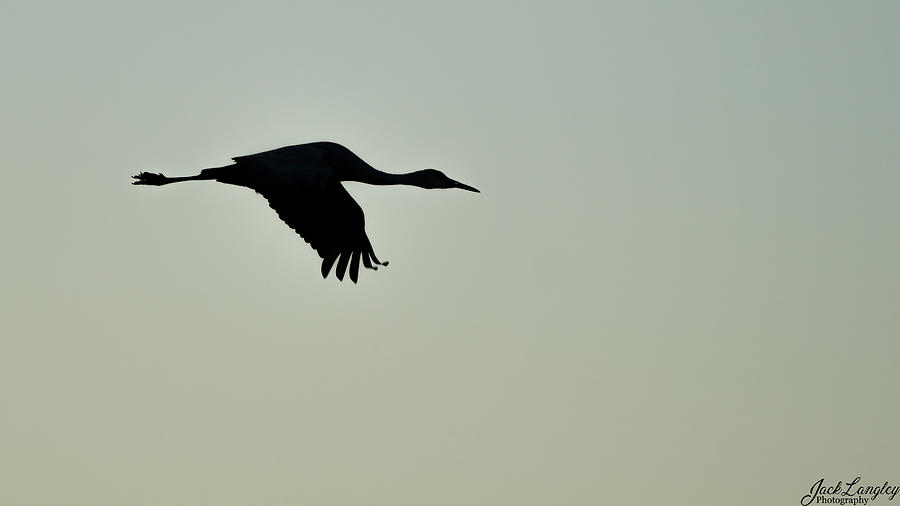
(679, 284)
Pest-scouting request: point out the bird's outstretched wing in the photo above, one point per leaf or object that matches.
(328, 218)
(300, 184)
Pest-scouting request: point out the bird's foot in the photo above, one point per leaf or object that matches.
(149, 178)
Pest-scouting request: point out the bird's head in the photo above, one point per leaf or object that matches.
(431, 178)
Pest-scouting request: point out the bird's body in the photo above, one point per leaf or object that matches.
(303, 185)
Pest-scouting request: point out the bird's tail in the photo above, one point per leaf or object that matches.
(226, 174)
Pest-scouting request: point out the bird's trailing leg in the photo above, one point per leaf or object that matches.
(149, 178)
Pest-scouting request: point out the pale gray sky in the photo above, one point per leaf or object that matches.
(679, 285)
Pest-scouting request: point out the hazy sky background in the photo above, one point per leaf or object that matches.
(679, 285)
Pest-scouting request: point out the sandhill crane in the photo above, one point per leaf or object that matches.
(303, 185)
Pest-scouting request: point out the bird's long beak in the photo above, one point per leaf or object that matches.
(457, 184)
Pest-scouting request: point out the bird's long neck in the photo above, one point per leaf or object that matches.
(385, 178)
(377, 177)
(349, 167)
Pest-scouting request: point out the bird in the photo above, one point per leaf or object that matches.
(302, 183)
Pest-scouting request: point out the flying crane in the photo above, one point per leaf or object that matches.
(303, 185)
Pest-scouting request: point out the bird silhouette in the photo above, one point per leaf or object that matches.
(303, 185)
